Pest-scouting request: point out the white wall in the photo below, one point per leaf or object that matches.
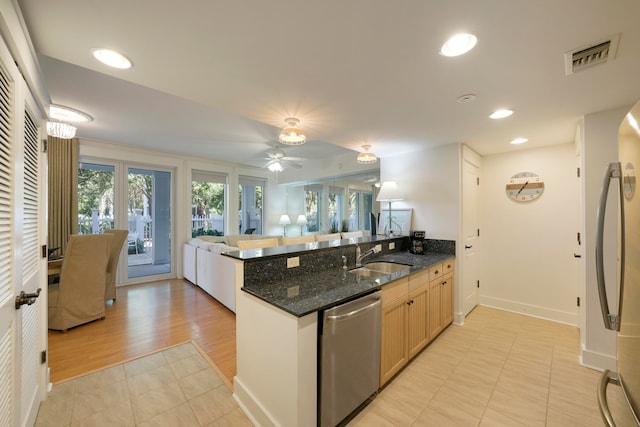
(600, 146)
(527, 262)
(430, 182)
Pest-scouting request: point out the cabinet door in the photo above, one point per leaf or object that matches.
(447, 299)
(393, 344)
(435, 308)
(417, 331)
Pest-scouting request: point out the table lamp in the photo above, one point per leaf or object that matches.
(284, 221)
(301, 221)
(389, 193)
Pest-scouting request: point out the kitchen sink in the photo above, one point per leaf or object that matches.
(363, 271)
(386, 267)
(379, 269)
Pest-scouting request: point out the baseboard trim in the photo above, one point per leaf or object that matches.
(250, 406)
(597, 361)
(531, 310)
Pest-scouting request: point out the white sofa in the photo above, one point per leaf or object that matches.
(213, 273)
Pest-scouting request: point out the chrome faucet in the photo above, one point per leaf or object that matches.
(360, 255)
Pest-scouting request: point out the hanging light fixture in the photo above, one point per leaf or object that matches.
(61, 130)
(291, 134)
(366, 156)
(275, 167)
(60, 115)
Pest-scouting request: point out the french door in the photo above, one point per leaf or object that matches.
(23, 328)
(135, 198)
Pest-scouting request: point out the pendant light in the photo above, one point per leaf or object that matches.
(291, 134)
(366, 156)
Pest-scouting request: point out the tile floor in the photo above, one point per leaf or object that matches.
(173, 387)
(499, 369)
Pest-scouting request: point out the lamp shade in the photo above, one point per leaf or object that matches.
(388, 192)
(284, 220)
(302, 220)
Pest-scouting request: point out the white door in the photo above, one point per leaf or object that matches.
(23, 329)
(470, 232)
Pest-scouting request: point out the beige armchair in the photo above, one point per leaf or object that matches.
(258, 243)
(119, 236)
(79, 296)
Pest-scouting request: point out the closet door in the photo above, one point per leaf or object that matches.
(22, 328)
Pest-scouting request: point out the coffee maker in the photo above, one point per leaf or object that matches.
(416, 245)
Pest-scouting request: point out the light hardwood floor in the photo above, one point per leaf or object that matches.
(499, 369)
(146, 318)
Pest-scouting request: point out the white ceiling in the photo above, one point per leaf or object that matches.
(217, 78)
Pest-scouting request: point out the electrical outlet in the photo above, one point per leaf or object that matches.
(392, 245)
(377, 249)
(293, 262)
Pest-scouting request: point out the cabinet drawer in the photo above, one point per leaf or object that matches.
(394, 290)
(435, 272)
(447, 266)
(416, 280)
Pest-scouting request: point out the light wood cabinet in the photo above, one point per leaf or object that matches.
(446, 298)
(414, 311)
(393, 340)
(440, 297)
(418, 308)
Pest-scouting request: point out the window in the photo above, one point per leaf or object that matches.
(250, 204)
(95, 198)
(336, 209)
(207, 203)
(360, 205)
(313, 207)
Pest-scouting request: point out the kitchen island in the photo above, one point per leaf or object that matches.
(277, 320)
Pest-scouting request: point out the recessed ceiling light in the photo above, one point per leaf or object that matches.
(519, 141)
(67, 114)
(500, 114)
(112, 58)
(458, 45)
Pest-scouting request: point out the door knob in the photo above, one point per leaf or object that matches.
(25, 298)
(468, 246)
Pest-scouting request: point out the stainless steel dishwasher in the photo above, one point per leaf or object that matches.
(349, 357)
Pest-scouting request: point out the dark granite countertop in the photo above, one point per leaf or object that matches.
(304, 294)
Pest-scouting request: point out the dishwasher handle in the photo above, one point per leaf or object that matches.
(354, 312)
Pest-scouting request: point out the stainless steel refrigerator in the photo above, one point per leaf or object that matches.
(626, 320)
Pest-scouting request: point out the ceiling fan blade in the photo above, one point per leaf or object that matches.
(290, 163)
(295, 159)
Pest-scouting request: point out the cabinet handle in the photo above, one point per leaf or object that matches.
(437, 272)
(448, 265)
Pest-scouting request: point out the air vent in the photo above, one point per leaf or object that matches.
(597, 53)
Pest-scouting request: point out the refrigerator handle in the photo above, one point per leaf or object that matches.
(611, 321)
(607, 378)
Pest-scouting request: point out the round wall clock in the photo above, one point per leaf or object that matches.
(524, 187)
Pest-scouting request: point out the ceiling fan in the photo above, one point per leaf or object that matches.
(278, 160)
